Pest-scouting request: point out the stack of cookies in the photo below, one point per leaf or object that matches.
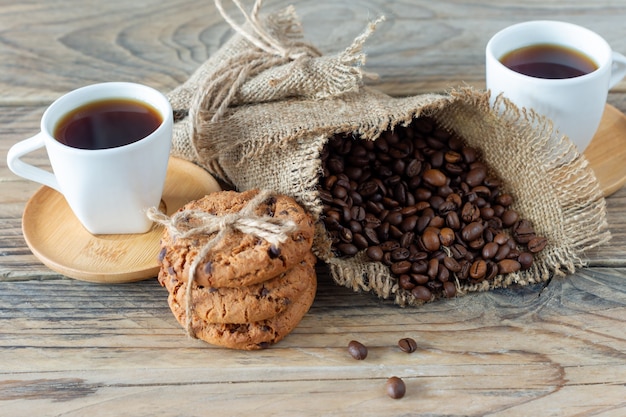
(246, 293)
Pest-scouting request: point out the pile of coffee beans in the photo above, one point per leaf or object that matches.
(423, 203)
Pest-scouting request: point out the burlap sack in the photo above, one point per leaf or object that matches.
(258, 113)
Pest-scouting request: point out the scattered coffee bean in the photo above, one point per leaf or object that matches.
(424, 204)
(357, 350)
(395, 387)
(407, 345)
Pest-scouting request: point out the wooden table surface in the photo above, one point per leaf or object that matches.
(72, 348)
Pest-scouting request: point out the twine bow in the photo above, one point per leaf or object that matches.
(211, 101)
(190, 223)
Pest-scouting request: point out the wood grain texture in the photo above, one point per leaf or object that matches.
(82, 349)
(75, 348)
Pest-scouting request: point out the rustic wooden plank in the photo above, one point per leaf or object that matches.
(93, 344)
(422, 46)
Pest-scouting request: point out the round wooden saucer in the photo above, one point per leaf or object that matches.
(57, 238)
(607, 151)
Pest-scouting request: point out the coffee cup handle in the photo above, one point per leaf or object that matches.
(619, 69)
(29, 171)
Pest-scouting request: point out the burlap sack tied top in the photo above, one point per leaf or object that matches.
(258, 113)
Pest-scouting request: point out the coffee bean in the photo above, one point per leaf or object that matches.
(357, 213)
(360, 241)
(375, 253)
(394, 218)
(420, 278)
(487, 213)
(526, 260)
(523, 231)
(537, 244)
(470, 213)
(503, 252)
(335, 165)
(357, 350)
(453, 157)
(492, 270)
(400, 193)
(476, 176)
(408, 223)
(449, 289)
(451, 264)
(506, 266)
(400, 254)
(446, 207)
(345, 234)
(413, 168)
(401, 267)
(421, 293)
(368, 188)
(509, 217)
(469, 154)
(371, 235)
(500, 238)
(472, 231)
(348, 249)
(395, 387)
(490, 250)
(389, 245)
(407, 344)
(430, 240)
(433, 268)
(443, 273)
(458, 251)
(437, 222)
(422, 194)
(406, 240)
(478, 270)
(405, 282)
(434, 177)
(505, 200)
(453, 221)
(446, 236)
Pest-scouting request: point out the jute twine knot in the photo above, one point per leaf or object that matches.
(213, 98)
(196, 223)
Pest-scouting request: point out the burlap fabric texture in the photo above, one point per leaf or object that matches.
(258, 112)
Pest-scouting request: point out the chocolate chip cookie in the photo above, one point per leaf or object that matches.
(244, 304)
(239, 259)
(253, 335)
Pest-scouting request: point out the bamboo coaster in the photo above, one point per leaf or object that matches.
(57, 238)
(607, 151)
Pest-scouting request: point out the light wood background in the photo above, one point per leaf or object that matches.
(73, 348)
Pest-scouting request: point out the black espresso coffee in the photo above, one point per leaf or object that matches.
(107, 124)
(549, 61)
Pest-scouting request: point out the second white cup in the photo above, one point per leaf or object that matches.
(575, 105)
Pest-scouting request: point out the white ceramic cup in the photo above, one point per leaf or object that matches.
(110, 189)
(574, 105)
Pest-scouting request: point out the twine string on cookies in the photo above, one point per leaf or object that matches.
(189, 223)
